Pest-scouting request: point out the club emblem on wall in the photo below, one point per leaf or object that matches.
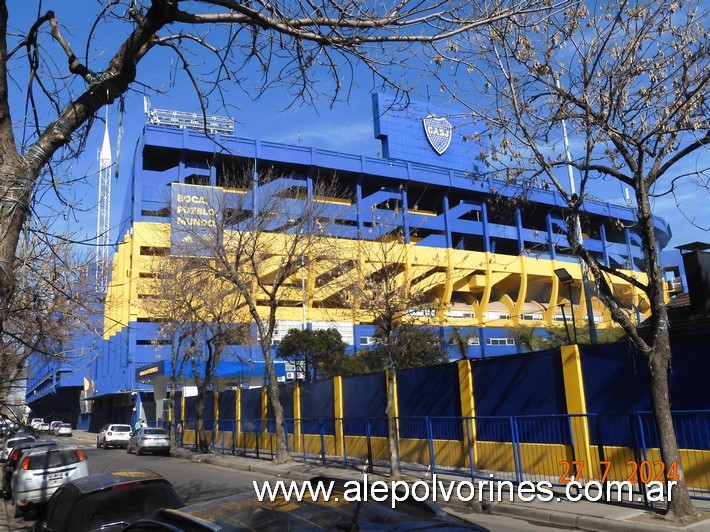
(438, 132)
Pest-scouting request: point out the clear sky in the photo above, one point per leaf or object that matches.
(344, 126)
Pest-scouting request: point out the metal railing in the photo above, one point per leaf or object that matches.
(552, 448)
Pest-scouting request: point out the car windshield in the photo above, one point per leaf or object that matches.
(120, 428)
(17, 441)
(51, 459)
(155, 432)
(17, 453)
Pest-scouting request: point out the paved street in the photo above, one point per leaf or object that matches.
(197, 482)
(194, 482)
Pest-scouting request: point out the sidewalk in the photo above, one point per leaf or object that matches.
(584, 515)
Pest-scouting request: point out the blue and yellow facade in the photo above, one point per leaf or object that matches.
(491, 259)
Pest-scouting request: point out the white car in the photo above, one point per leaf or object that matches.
(12, 442)
(113, 435)
(41, 471)
(64, 430)
(149, 440)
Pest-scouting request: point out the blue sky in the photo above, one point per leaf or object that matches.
(344, 126)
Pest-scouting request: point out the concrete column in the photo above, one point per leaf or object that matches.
(160, 392)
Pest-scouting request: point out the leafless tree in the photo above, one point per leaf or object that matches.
(630, 82)
(200, 317)
(55, 305)
(254, 45)
(388, 287)
(258, 238)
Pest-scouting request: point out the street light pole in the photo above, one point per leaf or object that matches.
(564, 318)
(571, 306)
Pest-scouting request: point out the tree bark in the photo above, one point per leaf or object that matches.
(19, 173)
(679, 504)
(282, 453)
(659, 358)
(16, 182)
(395, 472)
(203, 443)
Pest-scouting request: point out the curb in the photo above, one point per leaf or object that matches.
(566, 519)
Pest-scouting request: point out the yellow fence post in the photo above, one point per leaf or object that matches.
(184, 424)
(238, 418)
(577, 408)
(296, 445)
(264, 417)
(338, 413)
(468, 410)
(396, 394)
(215, 422)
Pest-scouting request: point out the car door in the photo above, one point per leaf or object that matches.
(133, 441)
(102, 434)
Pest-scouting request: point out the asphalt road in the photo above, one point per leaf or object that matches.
(197, 482)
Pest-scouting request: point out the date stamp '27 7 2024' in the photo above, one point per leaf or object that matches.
(643, 472)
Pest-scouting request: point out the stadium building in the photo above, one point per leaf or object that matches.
(491, 258)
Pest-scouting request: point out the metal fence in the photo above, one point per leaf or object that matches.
(553, 448)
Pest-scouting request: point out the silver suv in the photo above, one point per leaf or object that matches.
(113, 435)
(41, 471)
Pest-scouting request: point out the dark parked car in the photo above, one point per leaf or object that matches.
(107, 502)
(245, 512)
(9, 467)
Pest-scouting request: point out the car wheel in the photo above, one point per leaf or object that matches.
(105, 445)
(166, 453)
(98, 445)
(128, 450)
(18, 511)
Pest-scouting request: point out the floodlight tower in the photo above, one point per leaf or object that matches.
(103, 215)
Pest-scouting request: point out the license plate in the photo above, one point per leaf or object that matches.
(55, 476)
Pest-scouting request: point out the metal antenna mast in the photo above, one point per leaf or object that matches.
(103, 217)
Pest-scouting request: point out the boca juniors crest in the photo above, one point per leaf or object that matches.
(438, 132)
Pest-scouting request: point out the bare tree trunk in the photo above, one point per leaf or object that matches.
(395, 472)
(203, 443)
(659, 357)
(282, 454)
(15, 197)
(680, 504)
